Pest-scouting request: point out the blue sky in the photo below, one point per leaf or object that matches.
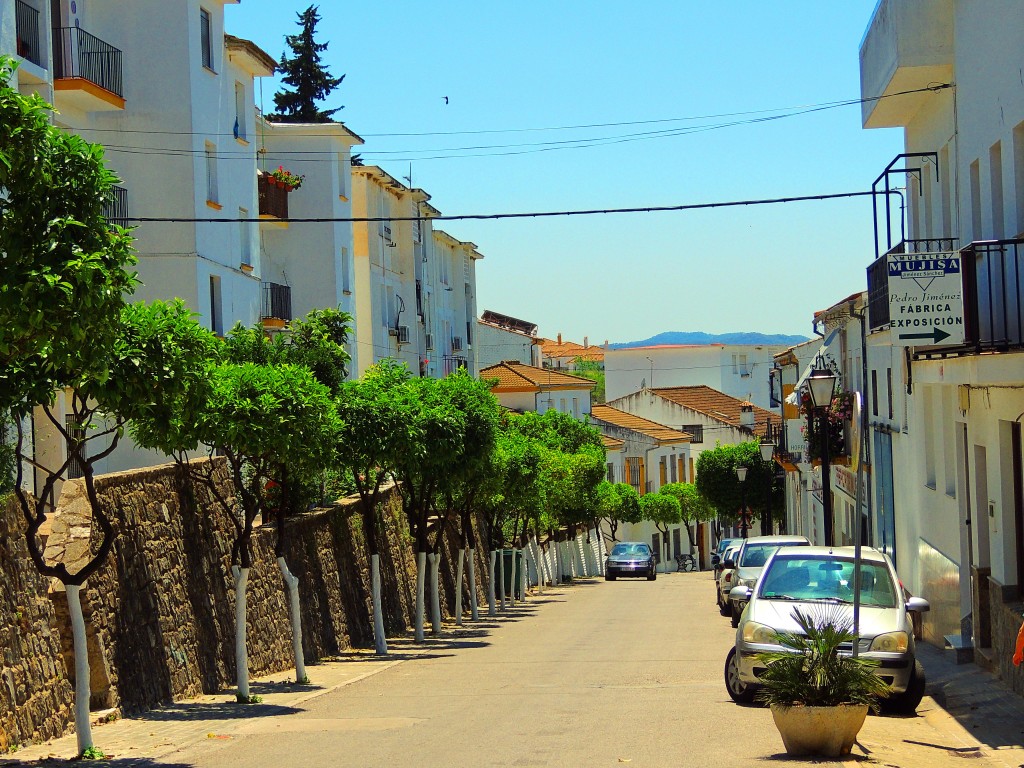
(533, 65)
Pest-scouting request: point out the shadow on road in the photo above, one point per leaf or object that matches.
(222, 710)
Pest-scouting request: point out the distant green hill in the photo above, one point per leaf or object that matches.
(699, 337)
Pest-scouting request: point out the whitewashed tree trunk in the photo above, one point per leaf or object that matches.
(458, 588)
(581, 551)
(491, 608)
(474, 612)
(435, 598)
(523, 565)
(538, 566)
(512, 580)
(380, 640)
(501, 579)
(83, 687)
(295, 616)
(557, 562)
(241, 654)
(421, 574)
(547, 566)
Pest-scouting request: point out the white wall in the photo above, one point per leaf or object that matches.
(675, 366)
(673, 415)
(494, 345)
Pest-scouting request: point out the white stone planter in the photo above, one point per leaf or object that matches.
(825, 731)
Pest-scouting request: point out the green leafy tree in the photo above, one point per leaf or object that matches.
(608, 503)
(254, 415)
(717, 482)
(431, 447)
(317, 343)
(593, 370)
(65, 268)
(694, 507)
(663, 510)
(63, 275)
(309, 80)
(375, 426)
(159, 348)
(469, 481)
(629, 506)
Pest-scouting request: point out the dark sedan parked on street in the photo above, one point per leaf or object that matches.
(630, 558)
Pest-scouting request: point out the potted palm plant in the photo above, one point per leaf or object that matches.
(818, 697)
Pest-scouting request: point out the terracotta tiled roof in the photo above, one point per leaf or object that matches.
(612, 443)
(717, 405)
(552, 348)
(515, 375)
(618, 418)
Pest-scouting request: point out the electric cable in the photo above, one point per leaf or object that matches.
(533, 214)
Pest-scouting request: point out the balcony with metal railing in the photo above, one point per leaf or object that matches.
(273, 199)
(87, 71)
(26, 23)
(993, 295)
(277, 305)
(452, 363)
(116, 209)
(878, 274)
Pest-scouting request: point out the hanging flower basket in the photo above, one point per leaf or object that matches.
(839, 414)
(286, 179)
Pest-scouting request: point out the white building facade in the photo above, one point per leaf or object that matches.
(741, 371)
(946, 419)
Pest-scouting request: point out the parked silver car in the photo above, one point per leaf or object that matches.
(727, 578)
(819, 580)
(750, 561)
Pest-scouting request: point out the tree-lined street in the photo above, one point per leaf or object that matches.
(596, 673)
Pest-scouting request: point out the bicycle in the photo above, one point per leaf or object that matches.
(686, 563)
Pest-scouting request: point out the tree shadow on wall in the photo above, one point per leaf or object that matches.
(206, 589)
(349, 559)
(320, 628)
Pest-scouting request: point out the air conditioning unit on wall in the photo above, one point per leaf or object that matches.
(430, 341)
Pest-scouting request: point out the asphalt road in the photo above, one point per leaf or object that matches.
(596, 674)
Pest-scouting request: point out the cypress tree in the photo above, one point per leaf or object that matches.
(309, 80)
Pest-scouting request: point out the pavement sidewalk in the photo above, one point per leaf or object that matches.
(971, 714)
(150, 736)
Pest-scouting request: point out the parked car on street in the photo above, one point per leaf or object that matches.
(727, 579)
(718, 556)
(819, 581)
(751, 559)
(630, 558)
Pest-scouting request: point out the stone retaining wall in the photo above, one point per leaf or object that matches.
(35, 694)
(160, 613)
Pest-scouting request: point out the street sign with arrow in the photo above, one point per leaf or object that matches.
(925, 299)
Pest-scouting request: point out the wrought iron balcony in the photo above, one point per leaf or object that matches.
(116, 209)
(993, 294)
(277, 302)
(453, 363)
(77, 55)
(26, 22)
(273, 199)
(878, 274)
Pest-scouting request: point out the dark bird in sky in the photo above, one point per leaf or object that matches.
(445, 99)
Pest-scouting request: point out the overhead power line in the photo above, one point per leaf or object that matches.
(533, 214)
(582, 126)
